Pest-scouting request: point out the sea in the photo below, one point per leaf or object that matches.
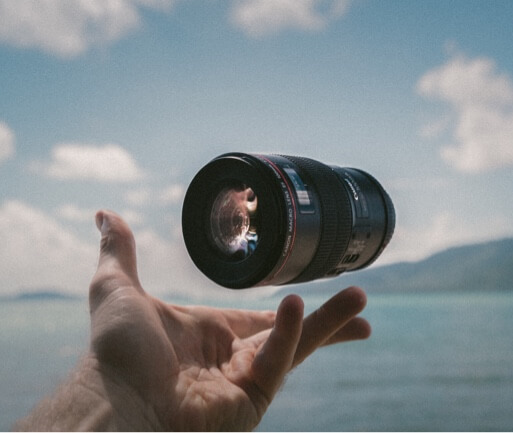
(434, 362)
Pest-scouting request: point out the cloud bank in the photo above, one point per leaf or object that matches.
(76, 161)
(145, 196)
(68, 28)
(38, 251)
(480, 99)
(257, 18)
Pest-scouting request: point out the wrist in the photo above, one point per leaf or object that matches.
(92, 399)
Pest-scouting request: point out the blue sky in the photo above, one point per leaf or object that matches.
(118, 103)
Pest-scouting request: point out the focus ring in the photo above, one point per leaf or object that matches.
(336, 218)
(389, 221)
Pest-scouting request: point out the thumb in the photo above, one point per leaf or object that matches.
(117, 249)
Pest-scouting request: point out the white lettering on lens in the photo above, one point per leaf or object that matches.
(353, 190)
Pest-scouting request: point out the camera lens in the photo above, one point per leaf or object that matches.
(253, 220)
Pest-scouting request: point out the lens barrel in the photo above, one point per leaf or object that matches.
(253, 220)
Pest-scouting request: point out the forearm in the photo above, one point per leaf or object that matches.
(90, 400)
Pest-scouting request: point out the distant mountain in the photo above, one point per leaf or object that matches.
(42, 295)
(479, 267)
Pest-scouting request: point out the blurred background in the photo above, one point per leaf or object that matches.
(118, 103)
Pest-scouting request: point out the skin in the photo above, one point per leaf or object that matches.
(155, 366)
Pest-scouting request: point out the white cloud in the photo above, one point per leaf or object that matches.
(132, 217)
(7, 148)
(170, 195)
(484, 140)
(173, 194)
(445, 230)
(68, 28)
(37, 252)
(107, 163)
(73, 213)
(259, 18)
(481, 101)
(81, 215)
(138, 197)
(468, 82)
(163, 265)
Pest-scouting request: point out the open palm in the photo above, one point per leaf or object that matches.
(201, 368)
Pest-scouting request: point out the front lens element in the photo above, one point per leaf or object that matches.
(234, 222)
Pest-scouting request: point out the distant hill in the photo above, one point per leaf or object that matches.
(42, 295)
(478, 267)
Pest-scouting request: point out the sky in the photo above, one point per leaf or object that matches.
(117, 104)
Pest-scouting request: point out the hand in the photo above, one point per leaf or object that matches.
(201, 368)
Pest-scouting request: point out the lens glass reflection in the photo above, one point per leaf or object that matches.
(234, 222)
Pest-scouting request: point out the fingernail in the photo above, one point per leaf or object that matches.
(105, 225)
(102, 222)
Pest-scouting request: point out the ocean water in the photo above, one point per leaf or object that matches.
(433, 363)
